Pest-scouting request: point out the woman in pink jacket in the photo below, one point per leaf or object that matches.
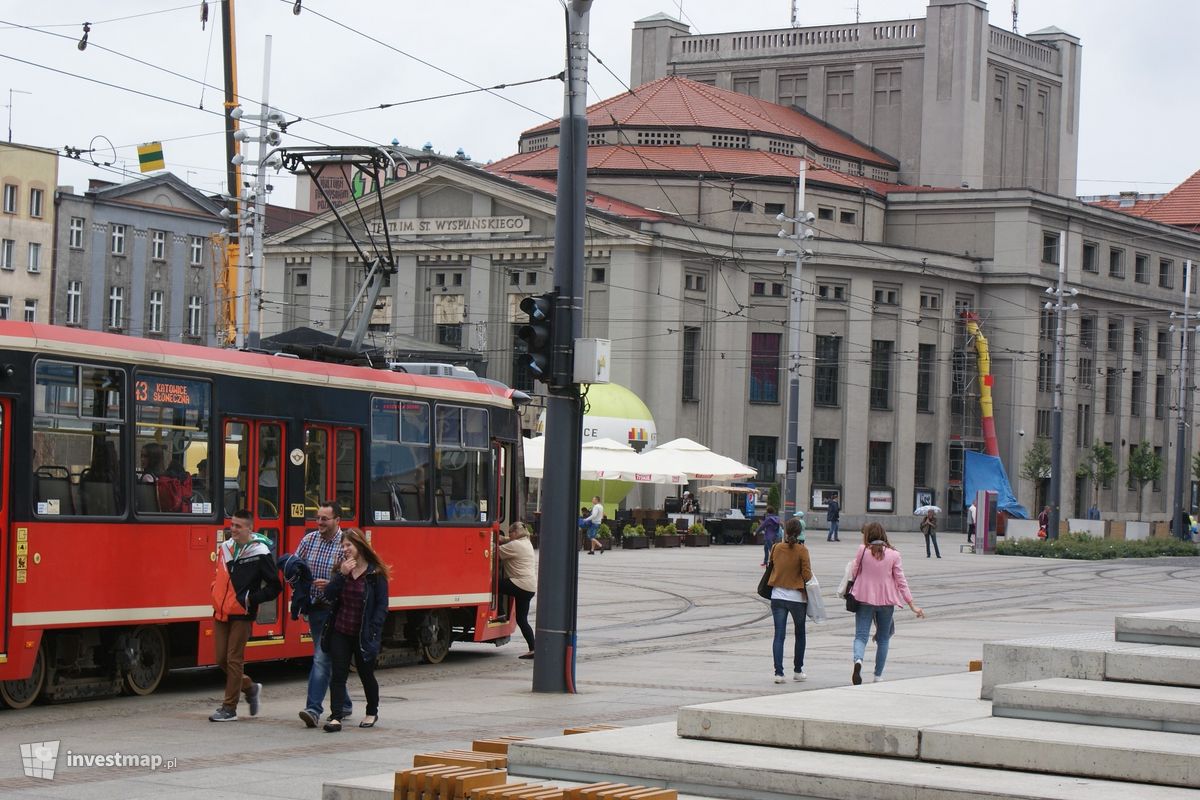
(879, 586)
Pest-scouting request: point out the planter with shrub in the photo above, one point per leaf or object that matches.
(633, 537)
(667, 536)
(1078, 545)
(697, 536)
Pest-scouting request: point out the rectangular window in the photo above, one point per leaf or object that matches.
(793, 90)
(931, 301)
(1166, 273)
(693, 282)
(760, 454)
(758, 288)
(76, 234)
(195, 316)
(1163, 345)
(773, 209)
(5, 306)
(458, 279)
(926, 364)
(1116, 262)
(1085, 373)
(746, 84)
(1160, 396)
(764, 367)
(691, 353)
(530, 278)
(777, 290)
(8, 249)
(824, 461)
(1156, 484)
(887, 296)
(826, 373)
(74, 301)
(1137, 395)
(1087, 334)
(1090, 263)
(825, 213)
(1047, 325)
(117, 237)
(831, 291)
(1045, 372)
(1115, 327)
(158, 244)
(887, 87)
(31, 310)
(35, 257)
(847, 217)
(514, 278)
(879, 456)
(156, 311)
(1111, 384)
(197, 251)
(839, 90)
(172, 417)
(881, 373)
(77, 424)
(922, 459)
(10, 198)
(1141, 268)
(35, 202)
(116, 307)
(1042, 423)
(598, 274)
(1139, 340)
(1049, 247)
(400, 460)
(450, 334)
(463, 462)
(1083, 425)
(743, 206)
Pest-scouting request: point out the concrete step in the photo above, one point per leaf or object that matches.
(1111, 703)
(1088, 751)
(654, 755)
(881, 719)
(1165, 664)
(1179, 627)
(1075, 655)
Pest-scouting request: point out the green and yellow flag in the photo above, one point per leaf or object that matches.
(150, 156)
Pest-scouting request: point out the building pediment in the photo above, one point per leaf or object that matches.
(162, 192)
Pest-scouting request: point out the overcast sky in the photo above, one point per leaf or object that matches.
(1139, 107)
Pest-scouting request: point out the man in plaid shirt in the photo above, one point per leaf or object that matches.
(321, 550)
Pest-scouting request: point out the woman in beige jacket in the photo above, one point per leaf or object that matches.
(790, 568)
(519, 580)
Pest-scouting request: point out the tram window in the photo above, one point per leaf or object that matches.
(172, 435)
(237, 460)
(399, 460)
(316, 456)
(269, 440)
(77, 425)
(345, 467)
(463, 463)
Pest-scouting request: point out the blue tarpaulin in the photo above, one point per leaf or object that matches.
(984, 472)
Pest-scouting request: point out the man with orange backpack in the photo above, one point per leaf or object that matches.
(246, 576)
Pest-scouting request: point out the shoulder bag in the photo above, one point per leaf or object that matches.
(764, 583)
(852, 602)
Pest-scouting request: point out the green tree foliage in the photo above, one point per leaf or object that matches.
(1035, 467)
(773, 496)
(1196, 465)
(1099, 466)
(1144, 466)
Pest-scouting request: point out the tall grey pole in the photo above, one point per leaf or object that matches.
(1181, 454)
(1056, 420)
(791, 500)
(558, 576)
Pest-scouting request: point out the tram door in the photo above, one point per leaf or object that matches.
(22, 546)
(331, 471)
(506, 513)
(254, 480)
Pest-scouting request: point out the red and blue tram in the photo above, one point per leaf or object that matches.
(123, 458)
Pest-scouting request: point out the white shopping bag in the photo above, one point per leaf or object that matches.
(816, 606)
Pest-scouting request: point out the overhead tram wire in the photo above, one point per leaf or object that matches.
(419, 60)
(189, 6)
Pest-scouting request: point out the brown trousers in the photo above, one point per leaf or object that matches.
(229, 640)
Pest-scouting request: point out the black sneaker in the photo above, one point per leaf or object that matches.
(223, 714)
(252, 697)
(309, 719)
(856, 676)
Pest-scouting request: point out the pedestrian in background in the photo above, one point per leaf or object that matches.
(519, 580)
(833, 515)
(769, 528)
(929, 528)
(246, 576)
(879, 586)
(358, 598)
(971, 524)
(791, 568)
(320, 549)
(595, 517)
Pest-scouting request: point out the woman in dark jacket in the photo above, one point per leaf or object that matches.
(358, 594)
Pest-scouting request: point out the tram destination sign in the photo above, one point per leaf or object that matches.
(425, 226)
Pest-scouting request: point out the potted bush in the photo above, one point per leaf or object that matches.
(697, 536)
(604, 536)
(756, 534)
(633, 537)
(667, 536)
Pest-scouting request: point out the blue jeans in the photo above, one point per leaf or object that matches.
(882, 617)
(833, 530)
(780, 610)
(768, 543)
(322, 666)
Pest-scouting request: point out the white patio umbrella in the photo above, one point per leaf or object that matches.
(535, 454)
(602, 460)
(696, 460)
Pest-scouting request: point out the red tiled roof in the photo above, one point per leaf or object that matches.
(599, 202)
(1180, 206)
(1138, 209)
(711, 161)
(678, 103)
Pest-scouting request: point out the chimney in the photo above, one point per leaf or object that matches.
(1128, 199)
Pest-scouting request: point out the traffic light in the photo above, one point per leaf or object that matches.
(799, 458)
(538, 335)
